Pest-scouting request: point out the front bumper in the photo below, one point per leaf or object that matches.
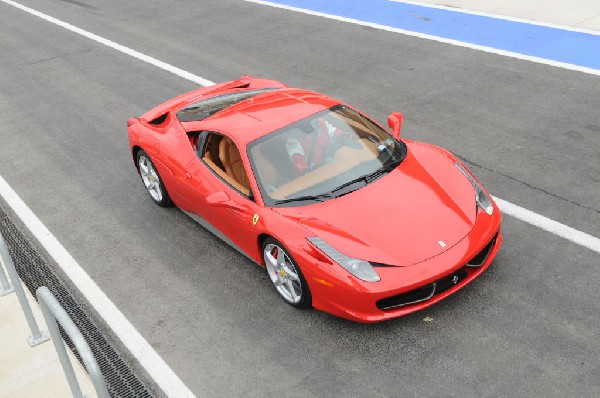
(343, 295)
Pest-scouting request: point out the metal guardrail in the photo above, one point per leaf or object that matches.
(34, 271)
(5, 287)
(53, 312)
(37, 336)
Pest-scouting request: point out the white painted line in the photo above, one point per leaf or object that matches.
(498, 16)
(523, 214)
(156, 367)
(510, 54)
(109, 43)
(162, 374)
(547, 224)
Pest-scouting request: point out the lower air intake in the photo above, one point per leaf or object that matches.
(423, 293)
(480, 258)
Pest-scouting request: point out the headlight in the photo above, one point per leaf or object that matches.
(483, 201)
(361, 269)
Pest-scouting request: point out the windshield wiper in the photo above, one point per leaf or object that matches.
(318, 198)
(351, 182)
(381, 171)
(369, 178)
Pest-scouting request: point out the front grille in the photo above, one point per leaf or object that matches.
(449, 281)
(423, 293)
(480, 258)
(412, 297)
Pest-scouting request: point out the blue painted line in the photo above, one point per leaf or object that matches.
(561, 45)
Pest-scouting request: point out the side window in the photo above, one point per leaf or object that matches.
(222, 156)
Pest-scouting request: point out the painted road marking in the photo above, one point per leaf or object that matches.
(498, 16)
(161, 373)
(148, 358)
(156, 367)
(576, 236)
(116, 46)
(547, 224)
(562, 48)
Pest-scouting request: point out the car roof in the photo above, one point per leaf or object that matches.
(264, 113)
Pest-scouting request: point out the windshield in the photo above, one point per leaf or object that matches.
(323, 156)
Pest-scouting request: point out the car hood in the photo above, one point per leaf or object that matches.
(419, 210)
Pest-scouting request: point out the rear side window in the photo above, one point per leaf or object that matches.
(222, 156)
(208, 107)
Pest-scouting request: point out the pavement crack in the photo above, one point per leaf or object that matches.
(471, 163)
(586, 20)
(68, 54)
(80, 4)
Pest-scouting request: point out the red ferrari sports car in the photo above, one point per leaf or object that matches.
(344, 215)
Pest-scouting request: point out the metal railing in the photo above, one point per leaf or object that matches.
(53, 312)
(37, 336)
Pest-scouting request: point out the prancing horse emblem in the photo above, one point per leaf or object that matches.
(441, 243)
(255, 219)
(455, 279)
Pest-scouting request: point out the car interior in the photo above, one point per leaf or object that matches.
(272, 161)
(345, 159)
(223, 157)
(276, 173)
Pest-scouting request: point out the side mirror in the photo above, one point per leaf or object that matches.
(221, 199)
(395, 123)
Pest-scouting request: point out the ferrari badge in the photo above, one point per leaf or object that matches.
(255, 219)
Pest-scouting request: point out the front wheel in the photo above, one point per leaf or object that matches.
(285, 274)
(151, 179)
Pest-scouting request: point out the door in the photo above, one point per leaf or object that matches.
(219, 192)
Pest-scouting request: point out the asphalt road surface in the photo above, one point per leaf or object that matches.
(527, 327)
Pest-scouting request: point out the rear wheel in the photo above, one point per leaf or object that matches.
(151, 179)
(285, 274)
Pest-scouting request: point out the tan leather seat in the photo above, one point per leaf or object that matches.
(212, 149)
(346, 159)
(234, 167)
(224, 175)
(264, 168)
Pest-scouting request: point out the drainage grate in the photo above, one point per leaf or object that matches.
(34, 272)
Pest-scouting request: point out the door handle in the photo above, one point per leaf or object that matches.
(188, 175)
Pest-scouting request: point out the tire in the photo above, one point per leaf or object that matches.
(151, 179)
(288, 279)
